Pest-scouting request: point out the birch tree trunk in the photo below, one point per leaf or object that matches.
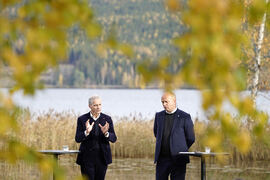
(257, 59)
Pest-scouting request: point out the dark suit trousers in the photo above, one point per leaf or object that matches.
(166, 167)
(94, 167)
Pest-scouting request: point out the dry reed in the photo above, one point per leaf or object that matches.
(52, 130)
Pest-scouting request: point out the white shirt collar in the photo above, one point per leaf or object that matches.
(172, 111)
(92, 116)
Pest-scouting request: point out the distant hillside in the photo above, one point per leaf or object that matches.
(145, 24)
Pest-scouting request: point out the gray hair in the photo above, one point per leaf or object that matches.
(91, 99)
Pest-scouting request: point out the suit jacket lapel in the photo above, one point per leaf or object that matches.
(88, 115)
(102, 119)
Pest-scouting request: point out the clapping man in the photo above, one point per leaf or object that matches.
(94, 131)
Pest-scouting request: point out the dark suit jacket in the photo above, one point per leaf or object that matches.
(181, 138)
(86, 140)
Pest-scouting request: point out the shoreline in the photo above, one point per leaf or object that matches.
(104, 87)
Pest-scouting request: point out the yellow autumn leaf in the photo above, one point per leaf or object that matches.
(243, 141)
(173, 5)
(126, 49)
(93, 30)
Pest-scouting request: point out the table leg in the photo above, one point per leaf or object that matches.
(203, 169)
(56, 158)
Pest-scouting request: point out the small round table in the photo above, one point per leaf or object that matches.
(56, 153)
(203, 155)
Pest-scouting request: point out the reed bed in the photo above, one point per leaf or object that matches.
(52, 130)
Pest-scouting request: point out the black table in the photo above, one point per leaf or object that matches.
(56, 153)
(203, 155)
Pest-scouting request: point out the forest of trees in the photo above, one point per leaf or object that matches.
(146, 25)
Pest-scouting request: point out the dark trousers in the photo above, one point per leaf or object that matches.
(93, 167)
(166, 167)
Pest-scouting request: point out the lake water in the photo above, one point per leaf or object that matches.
(118, 102)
